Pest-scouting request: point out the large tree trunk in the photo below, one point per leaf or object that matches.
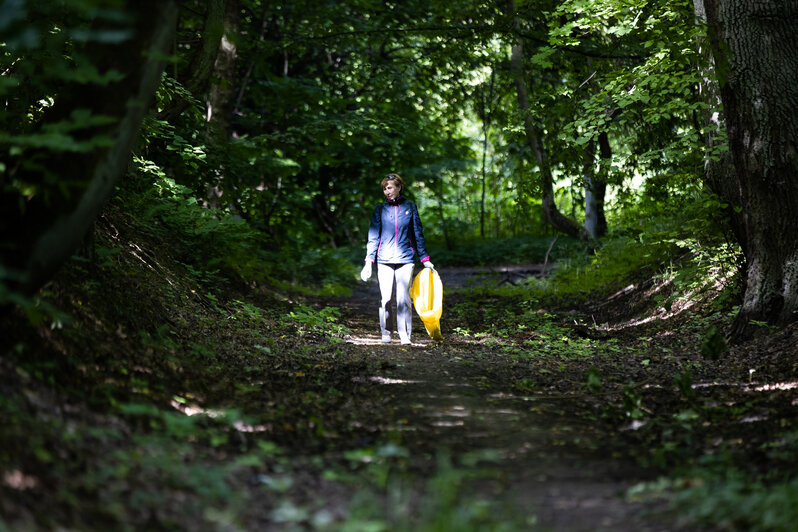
(41, 237)
(755, 48)
(557, 219)
(718, 168)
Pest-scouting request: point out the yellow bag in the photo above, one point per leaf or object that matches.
(427, 295)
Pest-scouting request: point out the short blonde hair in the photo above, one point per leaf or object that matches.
(397, 180)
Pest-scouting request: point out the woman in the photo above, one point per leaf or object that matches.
(395, 235)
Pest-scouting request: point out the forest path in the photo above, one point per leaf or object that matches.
(550, 464)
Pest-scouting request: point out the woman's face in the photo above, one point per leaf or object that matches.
(390, 190)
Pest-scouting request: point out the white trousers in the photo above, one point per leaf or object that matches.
(395, 279)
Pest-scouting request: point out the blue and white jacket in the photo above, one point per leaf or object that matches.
(395, 233)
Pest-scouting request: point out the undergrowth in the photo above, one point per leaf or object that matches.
(174, 387)
(515, 250)
(711, 477)
(200, 345)
(218, 247)
(689, 249)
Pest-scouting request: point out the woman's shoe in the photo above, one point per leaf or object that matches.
(386, 339)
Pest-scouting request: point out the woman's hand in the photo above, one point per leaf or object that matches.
(365, 273)
(429, 265)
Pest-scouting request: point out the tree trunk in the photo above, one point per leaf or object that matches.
(219, 104)
(756, 57)
(557, 219)
(40, 238)
(718, 169)
(219, 101)
(591, 204)
(484, 179)
(485, 112)
(201, 65)
(596, 187)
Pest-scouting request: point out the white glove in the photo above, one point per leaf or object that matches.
(429, 265)
(365, 273)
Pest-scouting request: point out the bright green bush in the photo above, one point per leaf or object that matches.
(613, 265)
(690, 246)
(732, 502)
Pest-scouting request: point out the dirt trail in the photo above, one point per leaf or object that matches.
(553, 465)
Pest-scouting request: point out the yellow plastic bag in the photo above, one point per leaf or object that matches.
(427, 295)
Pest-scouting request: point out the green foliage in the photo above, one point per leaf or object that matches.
(447, 502)
(714, 343)
(215, 244)
(723, 497)
(505, 251)
(725, 493)
(307, 320)
(213, 240)
(43, 53)
(166, 463)
(593, 379)
(515, 325)
(647, 91)
(315, 271)
(238, 239)
(37, 309)
(619, 260)
(632, 403)
(688, 248)
(684, 383)
(311, 135)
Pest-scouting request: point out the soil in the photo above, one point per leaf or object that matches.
(570, 456)
(555, 466)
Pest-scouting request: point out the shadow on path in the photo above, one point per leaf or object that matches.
(552, 463)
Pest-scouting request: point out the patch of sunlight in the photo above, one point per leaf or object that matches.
(502, 395)
(454, 411)
(716, 384)
(448, 423)
(636, 424)
(636, 322)
(367, 340)
(753, 419)
(148, 261)
(194, 410)
(688, 300)
(240, 426)
(137, 252)
(777, 386)
(501, 411)
(19, 481)
(384, 380)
